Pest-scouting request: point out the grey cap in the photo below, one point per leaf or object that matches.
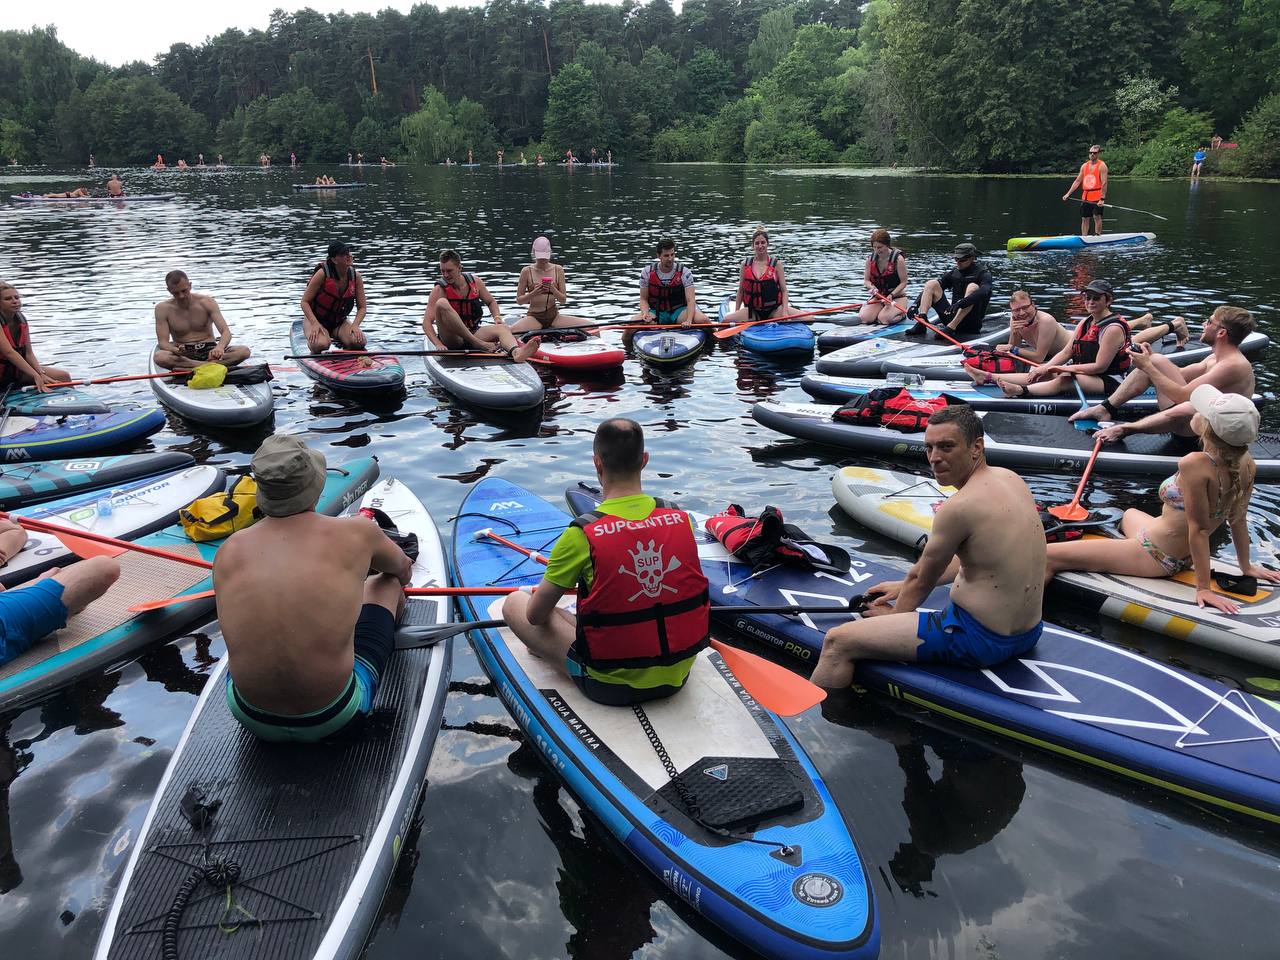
(290, 475)
(964, 250)
(1100, 286)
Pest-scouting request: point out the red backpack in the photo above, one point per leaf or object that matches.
(892, 407)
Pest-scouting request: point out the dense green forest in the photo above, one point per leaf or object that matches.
(967, 85)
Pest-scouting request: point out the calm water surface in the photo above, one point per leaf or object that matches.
(980, 848)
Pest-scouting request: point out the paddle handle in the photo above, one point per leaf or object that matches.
(877, 295)
(734, 330)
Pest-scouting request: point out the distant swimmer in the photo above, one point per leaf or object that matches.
(159, 164)
(334, 289)
(185, 325)
(455, 311)
(18, 364)
(114, 187)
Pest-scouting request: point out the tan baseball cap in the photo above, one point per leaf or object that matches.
(1232, 417)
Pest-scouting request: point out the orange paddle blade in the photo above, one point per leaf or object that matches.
(88, 549)
(168, 601)
(773, 687)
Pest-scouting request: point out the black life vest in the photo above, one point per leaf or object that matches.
(892, 407)
(9, 372)
(767, 540)
(332, 304)
(648, 603)
(761, 294)
(1084, 348)
(885, 280)
(467, 303)
(666, 296)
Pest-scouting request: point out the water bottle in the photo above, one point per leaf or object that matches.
(105, 505)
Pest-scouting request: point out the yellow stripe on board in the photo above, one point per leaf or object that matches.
(1093, 761)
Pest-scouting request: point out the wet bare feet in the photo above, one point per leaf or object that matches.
(526, 349)
(1179, 327)
(1011, 389)
(1092, 413)
(1142, 322)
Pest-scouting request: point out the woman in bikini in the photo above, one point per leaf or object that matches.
(1212, 487)
(541, 291)
(18, 364)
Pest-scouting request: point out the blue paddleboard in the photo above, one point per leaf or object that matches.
(42, 437)
(776, 338)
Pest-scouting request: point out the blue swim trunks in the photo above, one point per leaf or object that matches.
(953, 638)
(669, 316)
(29, 613)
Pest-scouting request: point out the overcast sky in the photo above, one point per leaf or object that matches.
(119, 31)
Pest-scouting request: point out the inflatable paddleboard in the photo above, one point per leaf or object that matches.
(1017, 440)
(668, 346)
(814, 900)
(128, 198)
(23, 484)
(492, 383)
(1076, 242)
(776, 338)
(230, 405)
(105, 632)
(376, 373)
(316, 829)
(329, 186)
(865, 359)
(856, 332)
(589, 354)
(73, 435)
(901, 506)
(29, 402)
(125, 512)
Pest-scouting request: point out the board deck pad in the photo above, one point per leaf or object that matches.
(374, 373)
(669, 344)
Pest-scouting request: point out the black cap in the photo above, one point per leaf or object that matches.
(964, 251)
(338, 248)
(1100, 286)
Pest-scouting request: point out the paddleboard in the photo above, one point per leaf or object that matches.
(230, 405)
(316, 829)
(1076, 242)
(901, 506)
(866, 358)
(27, 483)
(135, 507)
(62, 400)
(815, 901)
(776, 338)
(589, 354)
(73, 435)
(492, 383)
(329, 186)
(668, 346)
(1016, 440)
(105, 632)
(376, 373)
(856, 331)
(130, 198)
(1081, 698)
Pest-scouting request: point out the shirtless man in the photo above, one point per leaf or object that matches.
(184, 329)
(114, 187)
(987, 539)
(455, 309)
(1226, 368)
(308, 631)
(1033, 335)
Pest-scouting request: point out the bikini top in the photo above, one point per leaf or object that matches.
(1171, 493)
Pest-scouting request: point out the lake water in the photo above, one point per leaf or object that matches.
(980, 847)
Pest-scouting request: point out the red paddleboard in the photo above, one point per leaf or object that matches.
(589, 354)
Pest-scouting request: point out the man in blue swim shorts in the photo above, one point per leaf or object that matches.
(34, 610)
(308, 630)
(987, 540)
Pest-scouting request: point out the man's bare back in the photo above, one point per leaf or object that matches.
(289, 592)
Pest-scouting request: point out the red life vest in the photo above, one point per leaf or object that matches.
(467, 303)
(668, 296)
(9, 372)
(332, 304)
(1091, 181)
(761, 294)
(648, 603)
(892, 407)
(767, 540)
(1084, 348)
(885, 280)
(994, 361)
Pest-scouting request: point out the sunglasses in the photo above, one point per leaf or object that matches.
(1095, 296)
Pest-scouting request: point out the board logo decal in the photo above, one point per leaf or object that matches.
(648, 571)
(498, 506)
(719, 772)
(818, 890)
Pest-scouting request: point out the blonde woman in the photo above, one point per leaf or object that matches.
(541, 291)
(1212, 486)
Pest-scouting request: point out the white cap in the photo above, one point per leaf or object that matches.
(1232, 417)
(542, 249)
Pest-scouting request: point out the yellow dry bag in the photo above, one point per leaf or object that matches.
(222, 514)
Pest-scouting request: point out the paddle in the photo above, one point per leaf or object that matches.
(1073, 511)
(132, 376)
(773, 687)
(1084, 405)
(1113, 206)
(86, 545)
(409, 353)
(738, 328)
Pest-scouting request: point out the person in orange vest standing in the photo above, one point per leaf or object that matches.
(1092, 181)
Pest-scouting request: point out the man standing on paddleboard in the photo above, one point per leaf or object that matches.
(184, 329)
(987, 540)
(308, 630)
(643, 610)
(1092, 181)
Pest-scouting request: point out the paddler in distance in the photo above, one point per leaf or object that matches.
(667, 295)
(452, 320)
(988, 539)
(308, 629)
(643, 610)
(969, 282)
(334, 288)
(762, 284)
(18, 364)
(1092, 181)
(1226, 369)
(185, 329)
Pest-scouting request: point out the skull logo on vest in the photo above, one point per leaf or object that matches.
(648, 570)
